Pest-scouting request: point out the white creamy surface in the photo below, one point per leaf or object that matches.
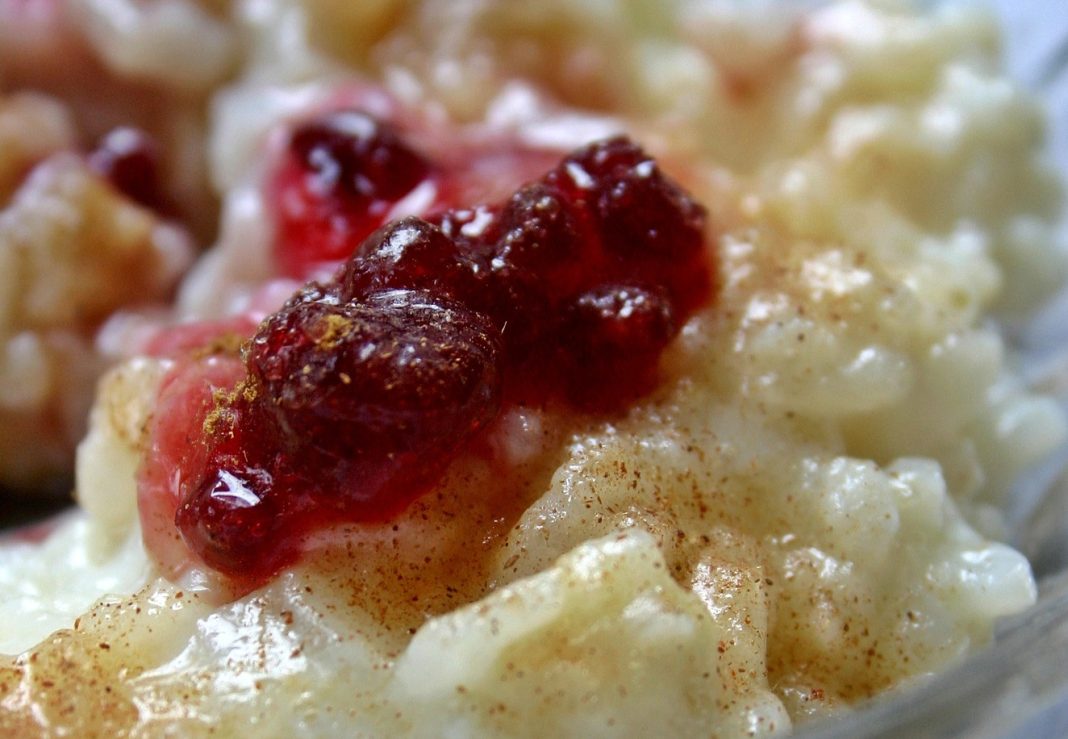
(803, 516)
(48, 585)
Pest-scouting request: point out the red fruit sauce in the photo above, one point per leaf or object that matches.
(350, 401)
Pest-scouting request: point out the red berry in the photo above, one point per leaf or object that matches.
(349, 153)
(401, 370)
(476, 230)
(525, 256)
(409, 253)
(232, 520)
(652, 227)
(643, 215)
(345, 172)
(612, 337)
(129, 159)
(543, 237)
(233, 510)
(243, 514)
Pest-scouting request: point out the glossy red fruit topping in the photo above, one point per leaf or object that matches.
(613, 336)
(410, 253)
(397, 371)
(475, 230)
(360, 391)
(649, 225)
(544, 236)
(344, 173)
(237, 516)
(542, 231)
(129, 159)
(181, 441)
(350, 153)
(231, 520)
(350, 409)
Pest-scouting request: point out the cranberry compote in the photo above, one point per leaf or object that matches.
(359, 392)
